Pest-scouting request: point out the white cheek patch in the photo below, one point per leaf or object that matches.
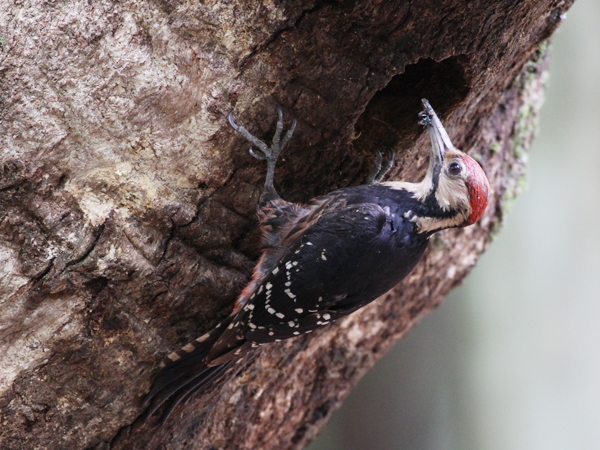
(452, 193)
(426, 224)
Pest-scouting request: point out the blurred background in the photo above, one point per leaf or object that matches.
(511, 360)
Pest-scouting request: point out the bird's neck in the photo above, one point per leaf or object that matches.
(437, 209)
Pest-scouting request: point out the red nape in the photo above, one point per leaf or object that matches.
(479, 190)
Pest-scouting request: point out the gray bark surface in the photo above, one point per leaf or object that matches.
(127, 203)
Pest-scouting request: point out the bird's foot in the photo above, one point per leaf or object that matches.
(270, 153)
(266, 152)
(380, 169)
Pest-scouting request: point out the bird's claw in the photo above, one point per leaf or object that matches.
(270, 153)
(256, 155)
(380, 169)
(266, 152)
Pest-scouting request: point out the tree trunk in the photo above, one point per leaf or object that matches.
(127, 223)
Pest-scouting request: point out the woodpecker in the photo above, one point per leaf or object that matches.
(330, 257)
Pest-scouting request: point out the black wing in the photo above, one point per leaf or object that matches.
(324, 275)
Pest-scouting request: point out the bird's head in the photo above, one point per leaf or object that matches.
(455, 191)
(458, 182)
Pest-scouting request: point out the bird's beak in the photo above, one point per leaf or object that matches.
(440, 141)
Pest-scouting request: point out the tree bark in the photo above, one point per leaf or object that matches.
(127, 203)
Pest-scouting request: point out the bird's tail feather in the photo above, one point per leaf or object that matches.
(192, 387)
(184, 373)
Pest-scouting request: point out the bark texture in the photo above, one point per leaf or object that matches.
(127, 203)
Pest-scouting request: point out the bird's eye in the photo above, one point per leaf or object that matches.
(454, 168)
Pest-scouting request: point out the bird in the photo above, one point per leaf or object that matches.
(327, 258)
